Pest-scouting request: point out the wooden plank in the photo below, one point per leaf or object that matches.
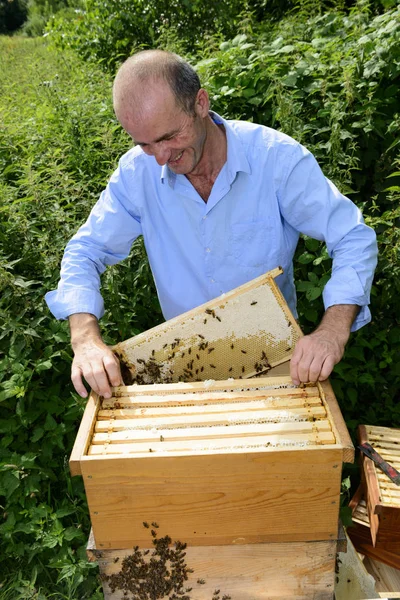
(243, 444)
(296, 406)
(211, 433)
(338, 424)
(261, 384)
(216, 499)
(83, 437)
(353, 581)
(295, 571)
(371, 486)
(222, 417)
(383, 431)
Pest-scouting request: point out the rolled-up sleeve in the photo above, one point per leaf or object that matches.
(105, 239)
(314, 206)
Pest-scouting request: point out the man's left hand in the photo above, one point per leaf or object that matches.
(316, 354)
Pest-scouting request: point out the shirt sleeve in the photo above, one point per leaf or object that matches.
(105, 239)
(313, 205)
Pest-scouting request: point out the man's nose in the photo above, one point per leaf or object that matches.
(161, 153)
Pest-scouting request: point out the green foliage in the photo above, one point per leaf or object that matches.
(57, 149)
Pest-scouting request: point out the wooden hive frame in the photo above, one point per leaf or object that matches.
(241, 334)
(382, 495)
(243, 462)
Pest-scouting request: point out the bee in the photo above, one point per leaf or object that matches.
(201, 581)
(183, 354)
(190, 351)
(209, 311)
(116, 559)
(210, 350)
(161, 440)
(201, 336)
(213, 366)
(230, 369)
(205, 321)
(218, 319)
(197, 371)
(243, 351)
(156, 525)
(165, 345)
(145, 524)
(253, 303)
(243, 369)
(202, 369)
(198, 356)
(232, 346)
(153, 352)
(177, 340)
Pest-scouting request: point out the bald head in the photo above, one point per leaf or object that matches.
(154, 68)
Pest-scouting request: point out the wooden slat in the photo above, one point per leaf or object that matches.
(83, 437)
(244, 444)
(270, 398)
(226, 418)
(209, 433)
(261, 383)
(370, 485)
(141, 413)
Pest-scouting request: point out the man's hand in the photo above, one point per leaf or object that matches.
(316, 354)
(93, 359)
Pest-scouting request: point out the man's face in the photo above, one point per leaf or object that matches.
(165, 131)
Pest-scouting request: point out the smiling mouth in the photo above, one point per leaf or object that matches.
(176, 159)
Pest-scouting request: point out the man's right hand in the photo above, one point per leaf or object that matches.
(93, 359)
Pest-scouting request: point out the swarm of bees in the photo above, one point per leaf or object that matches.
(163, 575)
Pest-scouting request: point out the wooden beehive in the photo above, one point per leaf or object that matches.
(241, 334)
(382, 495)
(214, 463)
(360, 534)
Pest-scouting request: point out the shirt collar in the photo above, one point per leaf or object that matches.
(236, 159)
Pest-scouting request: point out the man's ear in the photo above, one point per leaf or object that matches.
(202, 105)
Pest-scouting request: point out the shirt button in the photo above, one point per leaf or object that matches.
(208, 249)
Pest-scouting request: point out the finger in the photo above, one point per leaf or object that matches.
(327, 368)
(315, 368)
(294, 362)
(102, 384)
(303, 367)
(76, 378)
(111, 365)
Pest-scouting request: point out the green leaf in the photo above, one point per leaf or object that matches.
(313, 293)
(50, 423)
(306, 258)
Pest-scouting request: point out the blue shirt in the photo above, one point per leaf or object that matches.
(269, 190)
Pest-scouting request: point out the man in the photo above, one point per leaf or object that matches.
(218, 203)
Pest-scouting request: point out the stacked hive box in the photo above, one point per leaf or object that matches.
(246, 473)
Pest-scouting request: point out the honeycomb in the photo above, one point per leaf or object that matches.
(241, 334)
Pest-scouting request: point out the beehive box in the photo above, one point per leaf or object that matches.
(214, 463)
(284, 570)
(382, 495)
(360, 534)
(243, 333)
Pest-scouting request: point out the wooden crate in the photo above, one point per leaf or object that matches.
(382, 495)
(214, 463)
(243, 333)
(295, 570)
